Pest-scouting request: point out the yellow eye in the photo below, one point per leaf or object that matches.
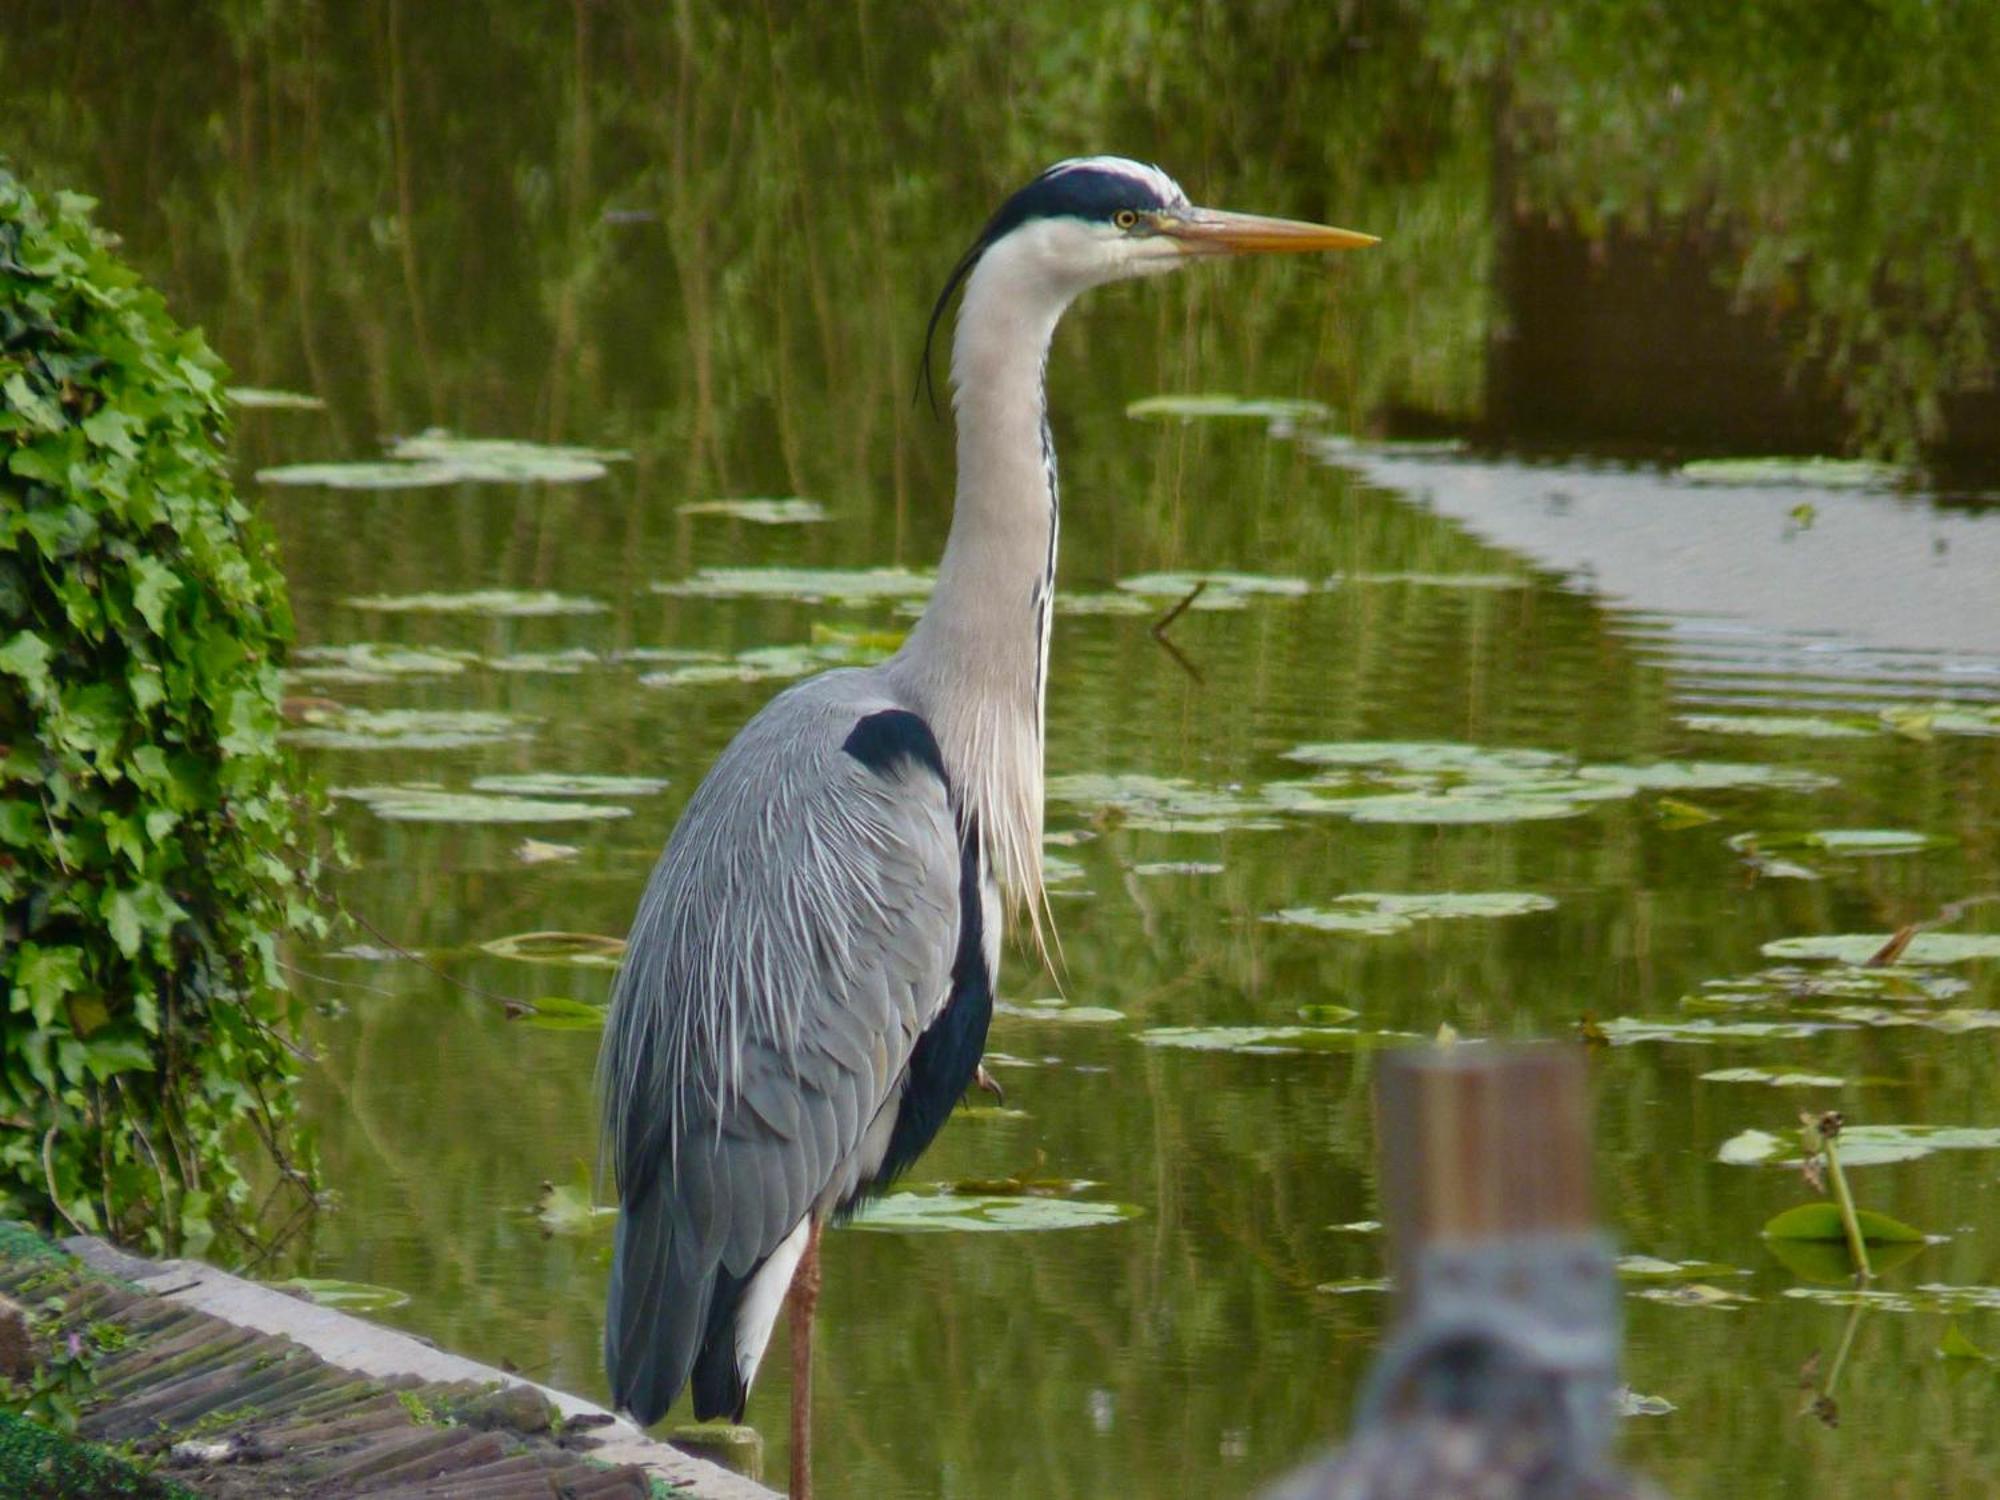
(1125, 218)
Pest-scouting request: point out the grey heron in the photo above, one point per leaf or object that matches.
(808, 980)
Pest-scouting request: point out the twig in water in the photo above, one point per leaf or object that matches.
(1165, 622)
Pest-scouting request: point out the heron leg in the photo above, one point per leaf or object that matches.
(989, 1084)
(804, 1298)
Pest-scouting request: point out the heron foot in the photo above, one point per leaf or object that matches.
(987, 1083)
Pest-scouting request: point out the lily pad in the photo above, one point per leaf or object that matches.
(1859, 947)
(1105, 604)
(1815, 473)
(1349, 1286)
(1274, 1041)
(1929, 1296)
(758, 664)
(1456, 807)
(1165, 804)
(1708, 775)
(1822, 1221)
(1432, 757)
(1430, 580)
(790, 511)
(406, 729)
(1626, 1402)
(539, 852)
(1775, 1080)
(1653, 1268)
(1624, 1030)
(1863, 1145)
(354, 1296)
(374, 661)
(1868, 840)
(1696, 1294)
(509, 603)
(1218, 590)
(1373, 912)
(1777, 726)
(1060, 1012)
(1159, 868)
(547, 663)
(570, 784)
(256, 398)
(586, 949)
(849, 585)
(985, 1213)
(1829, 1260)
(1194, 407)
(363, 474)
(430, 804)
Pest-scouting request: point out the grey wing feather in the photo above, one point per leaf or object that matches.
(793, 942)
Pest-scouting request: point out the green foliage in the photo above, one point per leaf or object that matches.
(151, 856)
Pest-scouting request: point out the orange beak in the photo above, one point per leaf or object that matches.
(1213, 231)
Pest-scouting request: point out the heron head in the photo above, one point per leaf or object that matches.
(1097, 219)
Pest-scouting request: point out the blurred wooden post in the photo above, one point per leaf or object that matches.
(1485, 1182)
(1499, 1376)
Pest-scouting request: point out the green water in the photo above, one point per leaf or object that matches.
(712, 242)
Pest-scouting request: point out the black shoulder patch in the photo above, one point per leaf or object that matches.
(879, 740)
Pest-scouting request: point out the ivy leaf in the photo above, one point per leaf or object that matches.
(154, 591)
(42, 976)
(26, 656)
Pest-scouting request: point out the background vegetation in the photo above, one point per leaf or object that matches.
(150, 857)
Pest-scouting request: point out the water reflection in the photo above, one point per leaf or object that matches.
(558, 225)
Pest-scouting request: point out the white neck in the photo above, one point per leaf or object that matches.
(977, 661)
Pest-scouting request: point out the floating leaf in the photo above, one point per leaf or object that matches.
(1777, 726)
(1626, 1402)
(1166, 804)
(1674, 813)
(499, 602)
(569, 1209)
(1816, 473)
(1106, 604)
(550, 663)
(1272, 1040)
(1351, 1285)
(536, 852)
(1653, 1268)
(855, 585)
(1864, 1145)
(405, 729)
(1218, 590)
(1155, 869)
(1708, 775)
(1624, 1030)
(1696, 1294)
(1458, 807)
(587, 949)
(363, 474)
(1831, 1261)
(1868, 840)
(1322, 1013)
(1955, 1345)
(560, 1013)
(570, 784)
(255, 398)
(1359, 1226)
(1430, 580)
(942, 1212)
(759, 664)
(1356, 920)
(412, 803)
(1060, 1012)
(1193, 407)
(373, 661)
(1431, 756)
(1748, 1147)
(1822, 1221)
(1859, 947)
(786, 512)
(354, 1296)
(1775, 1080)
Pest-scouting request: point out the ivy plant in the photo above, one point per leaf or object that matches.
(153, 851)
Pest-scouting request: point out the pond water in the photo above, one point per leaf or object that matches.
(1653, 726)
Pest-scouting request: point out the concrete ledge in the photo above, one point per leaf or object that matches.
(352, 1343)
